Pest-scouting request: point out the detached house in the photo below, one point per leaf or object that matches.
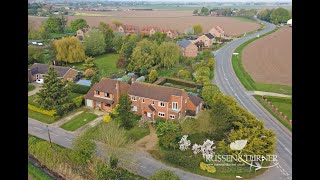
(81, 33)
(105, 94)
(37, 71)
(217, 32)
(126, 29)
(153, 101)
(149, 30)
(187, 48)
(207, 39)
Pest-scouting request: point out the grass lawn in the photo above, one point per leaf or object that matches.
(73, 95)
(137, 132)
(31, 87)
(60, 35)
(78, 121)
(36, 173)
(31, 100)
(283, 104)
(106, 63)
(41, 117)
(247, 80)
(169, 72)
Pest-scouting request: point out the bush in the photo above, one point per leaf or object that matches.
(78, 101)
(89, 73)
(208, 168)
(51, 113)
(164, 175)
(184, 159)
(77, 88)
(113, 162)
(183, 73)
(107, 118)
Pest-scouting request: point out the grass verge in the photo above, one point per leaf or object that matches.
(79, 121)
(36, 173)
(41, 117)
(285, 123)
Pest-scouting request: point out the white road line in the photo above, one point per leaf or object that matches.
(68, 139)
(284, 146)
(37, 128)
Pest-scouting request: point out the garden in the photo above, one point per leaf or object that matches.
(79, 121)
(189, 86)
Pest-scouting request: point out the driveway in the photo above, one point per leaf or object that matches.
(38, 87)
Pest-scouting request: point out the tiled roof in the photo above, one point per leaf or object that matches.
(37, 68)
(209, 35)
(184, 43)
(153, 91)
(195, 99)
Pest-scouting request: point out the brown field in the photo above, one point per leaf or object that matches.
(179, 20)
(269, 59)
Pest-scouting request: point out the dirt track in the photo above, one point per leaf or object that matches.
(269, 59)
(179, 20)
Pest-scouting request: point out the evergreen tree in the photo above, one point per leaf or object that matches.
(125, 115)
(54, 93)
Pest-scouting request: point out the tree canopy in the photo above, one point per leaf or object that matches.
(69, 50)
(108, 36)
(55, 24)
(94, 43)
(78, 24)
(197, 29)
(279, 15)
(169, 54)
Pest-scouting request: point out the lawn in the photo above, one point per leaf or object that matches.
(60, 35)
(79, 121)
(247, 80)
(284, 104)
(36, 173)
(106, 63)
(31, 99)
(137, 132)
(74, 95)
(41, 117)
(31, 87)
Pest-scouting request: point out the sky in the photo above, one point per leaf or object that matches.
(210, 0)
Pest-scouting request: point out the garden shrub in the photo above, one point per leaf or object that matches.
(107, 118)
(77, 88)
(184, 159)
(78, 101)
(207, 167)
(164, 175)
(51, 113)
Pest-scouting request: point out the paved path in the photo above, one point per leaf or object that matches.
(261, 93)
(142, 163)
(227, 81)
(38, 87)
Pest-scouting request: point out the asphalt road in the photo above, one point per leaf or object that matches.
(226, 79)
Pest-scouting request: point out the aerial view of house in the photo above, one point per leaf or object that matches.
(187, 48)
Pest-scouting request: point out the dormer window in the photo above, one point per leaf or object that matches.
(134, 98)
(97, 92)
(106, 94)
(152, 102)
(161, 104)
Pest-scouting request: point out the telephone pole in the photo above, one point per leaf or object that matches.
(49, 136)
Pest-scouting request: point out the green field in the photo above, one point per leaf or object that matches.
(41, 117)
(106, 63)
(78, 121)
(31, 87)
(284, 105)
(247, 80)
(36, 173)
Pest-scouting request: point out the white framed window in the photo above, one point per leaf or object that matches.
(134, 98)
(161, 104)
(97, 92)
(174, 105)
(172, 116)
(161, 114)
(185, 101)
(143, 100)
(134, 108)
(106, 94)
(152, 102)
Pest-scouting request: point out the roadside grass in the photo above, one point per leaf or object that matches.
(79, 121)
(243, 19)
(41, 117)
(36, 173)
(247, 80)
(31, 87)
(90, 14)
(283, 105)
(106, 63)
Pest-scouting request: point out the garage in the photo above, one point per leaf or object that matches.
(89, 103)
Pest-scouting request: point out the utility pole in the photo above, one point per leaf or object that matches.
(49, 136)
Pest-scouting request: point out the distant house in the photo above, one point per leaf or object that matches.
(37, 71)
(216, 12)
(289, 22)
(81, 33)
(125, 29)
(105, 95)
(187, 48)
(207, 39)
(217, 32)
(149, 30)
(170, 33)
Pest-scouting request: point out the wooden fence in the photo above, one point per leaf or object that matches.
(276, 110)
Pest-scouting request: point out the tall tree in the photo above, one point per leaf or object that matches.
(124, 113)
(54, 93)
(197, 29)
(108, 35)
(145, 53)
(279, 15)
(78, 24)
(94, 43)
(35, 55)
(69, 50)
(169, 54)
(55, 24)
(204, 11)
(129, 45)
(158, 37)
(117, 42)
(208, 92)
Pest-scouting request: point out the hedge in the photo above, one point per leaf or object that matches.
(51, 113)
(179, 82)
(78, 101)
(81, 89)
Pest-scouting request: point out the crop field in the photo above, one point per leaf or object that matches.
(269, 59)
(178, 20)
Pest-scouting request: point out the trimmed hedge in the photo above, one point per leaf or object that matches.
(81, 89)
(51, 113)
(78, 101)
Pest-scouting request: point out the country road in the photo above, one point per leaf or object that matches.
(226, 79)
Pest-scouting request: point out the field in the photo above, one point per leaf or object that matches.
(269, 59)
(179, 20)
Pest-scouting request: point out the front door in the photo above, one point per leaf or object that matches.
(37, 76)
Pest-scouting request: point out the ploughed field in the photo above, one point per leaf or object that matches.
(269, 59)
(178, 20)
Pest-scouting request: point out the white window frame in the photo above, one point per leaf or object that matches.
(134, 108)
(173, 106)
(152, 102)
(161, 102)
(142, 100)
(105, 94)
(172, 116)
(133, 98)
(161, 113)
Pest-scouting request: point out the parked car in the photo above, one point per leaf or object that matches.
(40, 81)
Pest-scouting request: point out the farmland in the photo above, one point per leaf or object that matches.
(179, 20)
(269, 59)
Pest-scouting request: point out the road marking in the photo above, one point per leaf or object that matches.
(68, 139)
(284, 146)
(37, 128)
